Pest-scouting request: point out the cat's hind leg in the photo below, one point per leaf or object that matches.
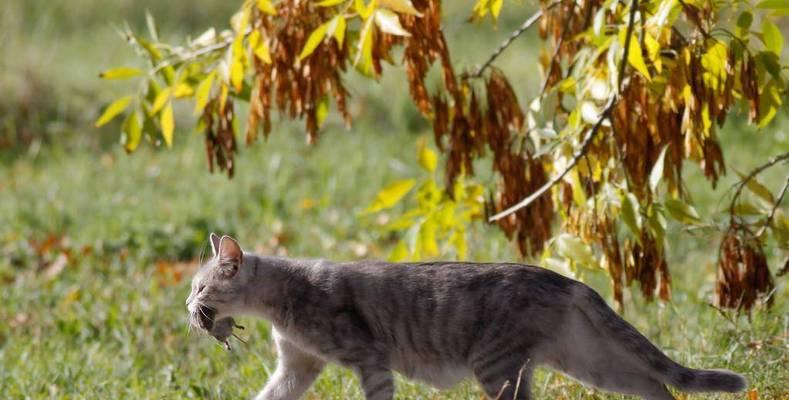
(295, 372)
(590, 356)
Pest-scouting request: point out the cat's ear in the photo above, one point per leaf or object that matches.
(230, 255)
(214, 239)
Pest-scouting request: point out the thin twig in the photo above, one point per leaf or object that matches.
(515, 34)
(555, 57)
(577, 156)
(757, 171)
(775, 207)
(587, 141)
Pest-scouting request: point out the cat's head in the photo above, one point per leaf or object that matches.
(218, 286)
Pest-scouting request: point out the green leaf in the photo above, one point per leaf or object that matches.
(657, 223)
(630, 214)
(203, 92)
(769, 103)
(322, 110)
(120, 73)
(746, 207)
(115, 108)
(756, 187)
(316, 37)
(657, 169)
(391, 195)
(152, 29)
(773, 39)
(682, 211)
(131, 132)
(168, 124)
(774, 4)
(389, 23)
(573, 248)
(745, 20)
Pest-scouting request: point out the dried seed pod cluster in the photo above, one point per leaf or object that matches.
(631, 92)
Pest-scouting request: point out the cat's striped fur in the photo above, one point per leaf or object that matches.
(435, 322)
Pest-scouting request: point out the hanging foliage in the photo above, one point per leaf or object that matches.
(632, 90)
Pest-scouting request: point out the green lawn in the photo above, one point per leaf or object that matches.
(97, 247)
(112, 323)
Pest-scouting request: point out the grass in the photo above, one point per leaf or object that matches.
(97, 247)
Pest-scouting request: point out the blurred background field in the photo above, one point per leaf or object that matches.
(97, 246)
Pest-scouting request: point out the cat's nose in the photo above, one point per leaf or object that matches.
(189, 299)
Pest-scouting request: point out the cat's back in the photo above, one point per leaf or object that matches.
(434, 279)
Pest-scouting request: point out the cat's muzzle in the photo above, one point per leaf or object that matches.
(204, 316)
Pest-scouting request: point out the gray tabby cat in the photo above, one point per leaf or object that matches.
(435, 322)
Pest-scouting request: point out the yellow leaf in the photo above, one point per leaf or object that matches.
(480, 9)
(401, 6)
(391, 195)
(329, 3)
(115, 108)
(262, 53)
(426, 239)
(635, 56)
(159, 101)
(316, 37)
(653, 51)
(259, 47)
(365, 11)
(183, 90)
(70, 297)
(131, 132)
(223, 93)
(120, 73)
(458, 240)
(267, 7)
(168, 124)
(364, 56)
(427, 157)
(388, 22)
(399, 252)
(495, 8)
(203, 92)
(237, 64)
(337, 27)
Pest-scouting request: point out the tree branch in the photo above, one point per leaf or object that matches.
(515, 34)
(771, 215)
(757, 171)
(587, 141)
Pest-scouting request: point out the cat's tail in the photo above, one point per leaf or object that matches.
(665, 369)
